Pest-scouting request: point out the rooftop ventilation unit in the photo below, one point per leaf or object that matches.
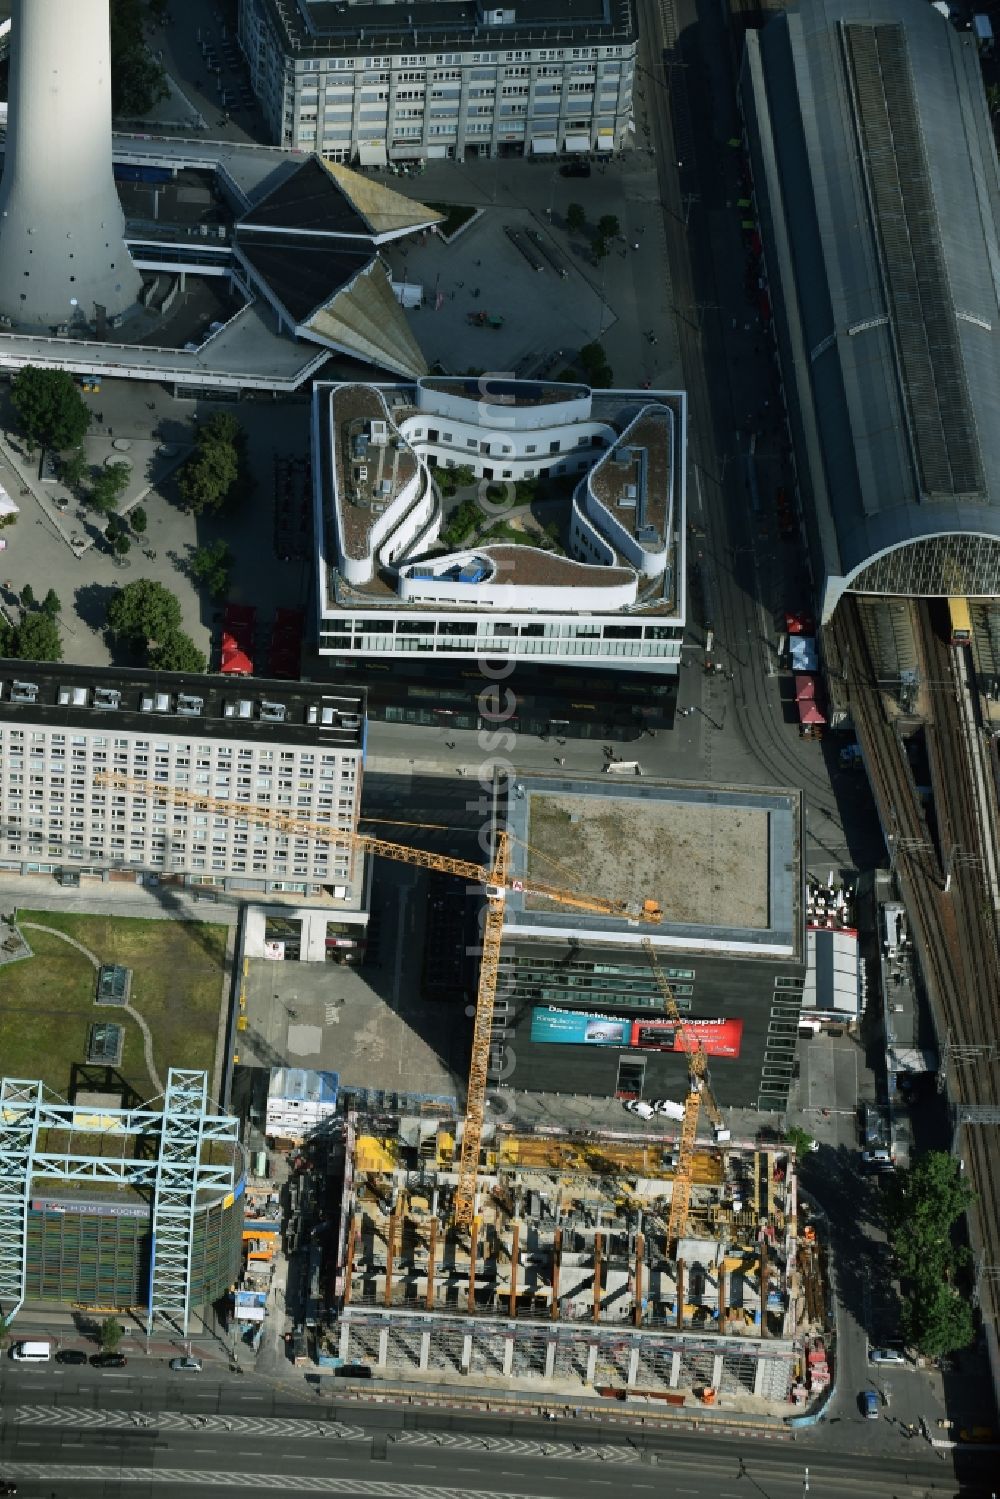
(379, 434)
(351, 721)
(629, 497)
(273, 712)
(145, 705)
(244, 708)
(75, 697)
(647, 534)
(24, 692)
(107, 697)
(190, 706)
(162, 702)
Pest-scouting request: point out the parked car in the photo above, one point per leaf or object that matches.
(108, 1360)
(641, 1107)
(869, 1405)
(885, 1356)
(186, 1364)
(71, 1356)
(8, 1488)
(575, 169)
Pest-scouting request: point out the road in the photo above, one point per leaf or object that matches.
(258, 1441)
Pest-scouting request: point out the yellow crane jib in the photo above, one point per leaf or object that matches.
(497, 882)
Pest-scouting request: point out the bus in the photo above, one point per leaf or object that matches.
(960, 621)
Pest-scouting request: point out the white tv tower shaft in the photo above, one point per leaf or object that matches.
(62, 248)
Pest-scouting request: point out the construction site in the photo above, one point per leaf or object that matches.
(575, 1270)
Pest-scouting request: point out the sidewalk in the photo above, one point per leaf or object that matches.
(97, 898)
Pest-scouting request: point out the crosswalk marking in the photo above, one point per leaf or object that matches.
(198, 1479)
(50, 1415)
(304, 1429)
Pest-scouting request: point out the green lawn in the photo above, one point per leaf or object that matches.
(47, 1001)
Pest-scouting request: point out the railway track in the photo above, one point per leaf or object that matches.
(953, 930)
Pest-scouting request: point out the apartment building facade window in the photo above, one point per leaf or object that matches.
(302, 75)
(228, 734)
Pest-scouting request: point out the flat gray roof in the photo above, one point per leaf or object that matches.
(723, 862)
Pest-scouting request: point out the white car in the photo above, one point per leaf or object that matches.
(641, 1107)
(187, 1365)
(885, 1356)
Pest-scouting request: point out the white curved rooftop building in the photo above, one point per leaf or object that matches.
(563, 540)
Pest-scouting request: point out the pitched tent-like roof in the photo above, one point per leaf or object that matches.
(310, 246)
(366, 320)
(324, 198)
(386, 211)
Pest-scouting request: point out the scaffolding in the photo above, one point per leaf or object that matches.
(178, 1158)
(20, 1104)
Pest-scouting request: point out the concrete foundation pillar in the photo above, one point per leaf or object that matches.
(345, 1342)
(383, 1347)
(467, 1353)
(717, 1371)
(758, 1377)
(508, 1357)
(591, 1363)
(550, 1360)
(425, 1349)
(633, 1366)
(675, 1370)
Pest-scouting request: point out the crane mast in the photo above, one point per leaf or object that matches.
(699, 1096)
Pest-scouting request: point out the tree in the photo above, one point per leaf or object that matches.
(37, 638)
(109, 486)
(217, 465)
(594, 363)
(799, 1139)
(28, 600)
(6, 637)
(51, 604)
(121, 543)
(576, 217)
(137, 81)
(210, 566)
(137, 520)
(600, 248)
(608, 226)
(112, 1333)
(927, 1199)
(176, 652)
(936, 1319)
(73, 467)
(925, 1204)
(144, 612)
(49, 407)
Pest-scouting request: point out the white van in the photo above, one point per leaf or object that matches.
(31, 1353)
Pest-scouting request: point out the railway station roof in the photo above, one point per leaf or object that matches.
(875, 172)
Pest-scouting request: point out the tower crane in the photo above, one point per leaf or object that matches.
(699, 1095)
(496, 880)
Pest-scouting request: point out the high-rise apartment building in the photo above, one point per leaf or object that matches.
(294, 748)
(378, 82)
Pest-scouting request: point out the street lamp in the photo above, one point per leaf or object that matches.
(805, 1482)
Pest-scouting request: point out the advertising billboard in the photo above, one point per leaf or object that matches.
(719, 1038)
(577, 1028)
